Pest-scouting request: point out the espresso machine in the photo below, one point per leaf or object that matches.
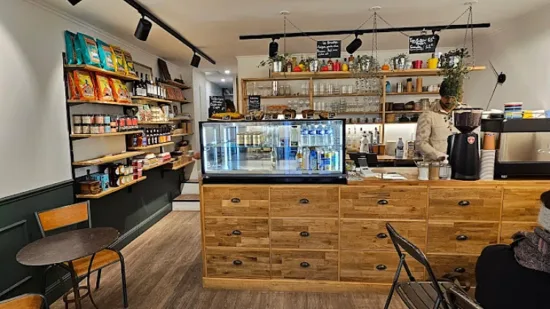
(463, 147)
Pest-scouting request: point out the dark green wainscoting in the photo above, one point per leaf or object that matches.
(131, 211)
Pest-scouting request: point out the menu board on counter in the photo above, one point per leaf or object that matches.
(329, 49)
(423, 44)
(217, 105)
(254, 103)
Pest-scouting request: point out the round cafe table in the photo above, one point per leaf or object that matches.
(63, 248)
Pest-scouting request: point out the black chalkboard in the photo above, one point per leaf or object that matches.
(422, 44)
(254, 103)
(329, 49)
(217, 105)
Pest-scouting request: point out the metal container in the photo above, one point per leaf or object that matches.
(366, 64)
(277, 66)
(399, 63)
(314, 66)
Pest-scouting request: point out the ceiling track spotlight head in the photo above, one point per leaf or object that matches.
(354, 45)
(143, 29)
(273, 49)
(74, 2)
(195, 60)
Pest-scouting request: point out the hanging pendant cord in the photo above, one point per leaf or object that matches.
(284, 37)
(359, 28)
(290, 22)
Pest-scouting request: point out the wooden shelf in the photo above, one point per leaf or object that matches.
(154, 122)
(75, 102)
(175, 84)
(140, 98)
(104, 134)
(365, 123)
(367, 94)
(108, 159)
(182, 134)
(359, 113)
(110, 190)
(157, 165)
(412, 93)
(91, 68)
(181, 101)
(285, 97)
(176, 167)
(181, 119)
(151, 146)
(403, 112)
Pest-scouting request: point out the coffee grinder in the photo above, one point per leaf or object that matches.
(463, 147)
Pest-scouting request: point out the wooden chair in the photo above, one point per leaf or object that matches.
(72, 215)
(27, 301)
(432, 294)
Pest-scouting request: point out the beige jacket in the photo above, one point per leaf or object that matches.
(433, 129)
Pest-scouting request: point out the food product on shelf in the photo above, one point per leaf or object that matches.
(231, 115)
(73, 55)
(71, 87)
(105, 56)
(88, 48)
(84, 85)
(120, 92)
(130, 69)
(104, 90)
(118, 60)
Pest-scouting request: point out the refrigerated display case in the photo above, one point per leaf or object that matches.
(273, 151)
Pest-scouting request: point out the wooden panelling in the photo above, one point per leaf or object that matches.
(444, 264)
(508, 229)
(372, 234)
(244, 201)
(236, 232)
(461, 237)
(309, 265)
(384, 202)
(379, 267)
(522, 204)
(304, 233)
(308, 201)
(465, 203)
(237, 264)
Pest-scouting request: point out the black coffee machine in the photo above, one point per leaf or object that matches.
(463, 148)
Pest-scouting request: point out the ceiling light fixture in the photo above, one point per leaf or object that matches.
(223, 80)
(273, 49)
(195, 60)
(354, 45)
(143, 28)
(74, 2)
(227, 72)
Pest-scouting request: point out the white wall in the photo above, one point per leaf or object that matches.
(33, 116)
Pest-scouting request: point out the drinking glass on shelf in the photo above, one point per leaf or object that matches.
(288, 90)
(322, 89)
(315, 89)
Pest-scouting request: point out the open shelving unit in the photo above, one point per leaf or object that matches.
(104, 134)
(148, 168)
(111, 190)
(151, 146)
(176, 167)
(77, 102)
(91, 68)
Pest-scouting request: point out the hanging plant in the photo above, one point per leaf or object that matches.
(454, 69)
(279, 58)
(399, 62)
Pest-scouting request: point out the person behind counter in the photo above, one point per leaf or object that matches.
(517, 276)
(435, 126)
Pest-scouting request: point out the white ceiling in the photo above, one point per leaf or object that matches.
(215, 25)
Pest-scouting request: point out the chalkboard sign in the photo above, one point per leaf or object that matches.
(422, 44)
(254, 103)
(329, 49)
(217, 105)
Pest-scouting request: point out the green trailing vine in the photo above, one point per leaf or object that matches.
(454, 69)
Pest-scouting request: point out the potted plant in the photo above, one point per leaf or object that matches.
(277, 63)
(313, 64)
(400, 62)
(455, 71)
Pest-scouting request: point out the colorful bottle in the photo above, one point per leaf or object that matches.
(330, 65)
(400, 149)
(305, 159)
(313, 159)
(351, 59)
(345, 65)
(299, 159)
(337, 66)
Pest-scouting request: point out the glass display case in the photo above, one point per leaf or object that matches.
(273, 151)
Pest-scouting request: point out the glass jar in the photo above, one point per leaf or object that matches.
(445, 171)
(423, 170)
(434, 170)
(85, 129)
(77, 119)
(77, 129)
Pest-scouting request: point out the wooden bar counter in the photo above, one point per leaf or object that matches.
(332, 238)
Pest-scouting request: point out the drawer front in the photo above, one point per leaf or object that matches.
(381, 202)
(465, 204)
(308, 201)
(372, 235)
(237, 264)
(375, 267)
(304, 233)
(461, 237)
(236, 232)
(244, 201)
(509, 229)
(522, 204)
(463, 264)
(309, 265)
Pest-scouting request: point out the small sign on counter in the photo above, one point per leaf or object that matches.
(254, 103)
(217, 105)
(329, 49)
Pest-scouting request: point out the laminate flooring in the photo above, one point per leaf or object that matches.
(164, 271)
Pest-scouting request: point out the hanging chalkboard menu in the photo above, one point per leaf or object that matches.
(217, 105)
(254, 103)
(422, 44)
(329, 49)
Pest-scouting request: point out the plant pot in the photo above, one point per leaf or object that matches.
(277, 66)
(366, 65)
(399, 63)
(314, 66)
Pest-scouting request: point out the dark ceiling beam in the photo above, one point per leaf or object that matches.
(361, 31)
(145, 12)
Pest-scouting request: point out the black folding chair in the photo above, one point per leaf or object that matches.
(431, 294)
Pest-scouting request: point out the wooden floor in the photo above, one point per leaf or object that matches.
(164, 270)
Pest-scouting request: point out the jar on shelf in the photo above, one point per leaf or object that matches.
(77, 119)
(86, 119)
(423, 170)
(434, 170)
(77, 129)
(85, 129)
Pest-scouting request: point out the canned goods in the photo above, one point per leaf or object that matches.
(77, 129)
(107, 119)
(86, 119)
(100, 129)
(107, 128)
(85, 129)
(98, 119)
(94, 129)
(77, 119)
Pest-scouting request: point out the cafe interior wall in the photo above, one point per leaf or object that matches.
(36, 165)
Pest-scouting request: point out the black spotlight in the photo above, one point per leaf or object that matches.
(195, 60)
(273, 49)
(74, 2)
(143, 29)
(354, 45)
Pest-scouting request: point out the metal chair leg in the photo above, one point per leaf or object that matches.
(45, 279)
(395, 280)
(74, 279)
(88, 281)
(123, 274)
(98, 279)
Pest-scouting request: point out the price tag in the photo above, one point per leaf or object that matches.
(248, 118)
(309, 116)
(287, 116)
(331, 115)
(421, 44)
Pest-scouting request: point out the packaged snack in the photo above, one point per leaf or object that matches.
(105, 56)
(88, 48)
(73, 93)
(130, 70)
(118, 59)
(84, 85)
(104, 90)
(120, 92)
(73, 55)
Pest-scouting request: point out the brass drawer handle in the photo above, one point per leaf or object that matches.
(304, 234)
(236, 232)
(304, 201)
(382, 235)
(461, 237)
(381, 267)
(235, 200)
(460, 270)
(464, 203)
(237, 262)
(304, 264)
(382, 202)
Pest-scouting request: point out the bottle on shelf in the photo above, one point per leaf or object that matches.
(305, 158)
(302, 64)
(299, 158)
(313, 159)
(311, 135)
(330, 65)
(147, 86)
(400, 149)
(345, 65)
(324, 66)
(289, 66)
(142, 87)
(304, 135)
(351, 60)
(319, 135)
(337, 66)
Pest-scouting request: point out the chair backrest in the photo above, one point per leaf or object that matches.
(27, 301)
(63, 216)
